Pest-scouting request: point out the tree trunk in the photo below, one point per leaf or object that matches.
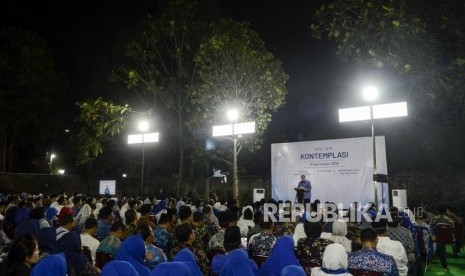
(181, 153)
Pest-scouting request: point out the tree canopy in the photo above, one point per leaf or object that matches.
(31, 93)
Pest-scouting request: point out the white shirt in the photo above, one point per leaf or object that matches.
(60, 232)
(91, 242)
(244, 225)
(396, 250)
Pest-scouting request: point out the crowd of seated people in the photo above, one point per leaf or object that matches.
(58, 234)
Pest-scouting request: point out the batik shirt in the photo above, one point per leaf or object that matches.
(284, 229)
(372, 260)
(110, 244)
(311, 250)
(442, 219)
(163, 239)
(200, 257)
(403, 235)
(210, 228)
(201, 238)
(217, 240)
(262, 244)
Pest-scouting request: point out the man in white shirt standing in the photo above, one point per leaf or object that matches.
(390, 247)
(87, 239)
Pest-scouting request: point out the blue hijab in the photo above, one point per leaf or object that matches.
(293, 270)
(132, 250)
(187, 257)
(172, 269)
(281, 256)
(52, 265)
(237, 263)
(46, 238)
(50, 213)
(70, 244)
(22, 214)
(119, 268)
(26, 227)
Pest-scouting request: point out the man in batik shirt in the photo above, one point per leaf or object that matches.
(162, 234)
(216, 241)
(311, 248)
(186, 237)
(369, 258)
(261, 244)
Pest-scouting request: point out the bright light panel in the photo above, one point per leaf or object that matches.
(222, 130)
(381, 111)
(151, 137)
(135, 139)
(143, 138)
(143, 126)
(244, 128)
(354, 114)
(232, 115)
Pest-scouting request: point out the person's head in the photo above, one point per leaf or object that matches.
(118, 229)
(302, 177)
(24, 250)
(185, 214)
(207, 211)
(198, 218)
(248, 214)
(368, 238)
(184, 234)
(442, 209)
(339, 228)
(225, 219)
(37, 201)
(77, 201)
(313, 229)
(380, 227)
(67, 222)
(90, 226)
(145, 210)
(335, 257)
(232, 238)
(105, 213)
(146, 232)
(37, 213)
(258, 217)
(134, 204)
(164, 219)
(62, 201)
(267, 226)
(130, 216)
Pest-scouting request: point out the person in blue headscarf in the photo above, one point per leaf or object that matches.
(52, 265)
(133, 251)
(187, 257)
(293, 270)
(119, 268)
(281, 256)
(236, 264)
(172, 269)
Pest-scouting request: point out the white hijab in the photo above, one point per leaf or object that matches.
(83, 214)
(98, 206)
(334, 258)
(339, 235)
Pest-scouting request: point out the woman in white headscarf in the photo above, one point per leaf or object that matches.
(98, 206)
(334, 262)
(81, 217)
(246, 221)
(339, 235)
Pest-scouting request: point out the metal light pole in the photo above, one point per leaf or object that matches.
(371, 113)
(143, 138)
(234, 130)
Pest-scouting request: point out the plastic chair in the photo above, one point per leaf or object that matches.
(101, 258)
(259, 260)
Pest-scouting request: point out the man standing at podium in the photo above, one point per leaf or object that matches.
(307, 187)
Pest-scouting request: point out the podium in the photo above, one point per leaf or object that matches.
(299, 194)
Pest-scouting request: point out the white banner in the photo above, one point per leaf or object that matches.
(340, 170)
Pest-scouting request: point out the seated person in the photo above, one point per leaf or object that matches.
(153, 254)
(369, 258)
(262, 243)
(112, 242)
(311, 248)
(281, 256)
(232, 241)
(334, 262)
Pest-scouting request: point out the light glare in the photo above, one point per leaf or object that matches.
(143, 126)
(370, 93)
(233, 115)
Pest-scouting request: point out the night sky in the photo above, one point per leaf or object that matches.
(84, 37)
